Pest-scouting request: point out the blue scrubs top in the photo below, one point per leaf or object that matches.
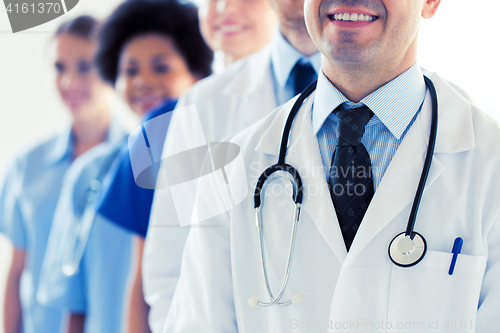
(98, 288)
(27, 205)
(122, 201)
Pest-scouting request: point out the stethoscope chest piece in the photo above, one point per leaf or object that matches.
(406, 252)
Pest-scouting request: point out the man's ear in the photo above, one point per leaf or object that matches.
(430, 8)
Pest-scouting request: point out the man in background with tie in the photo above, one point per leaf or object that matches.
(244, 93)
(359, 143)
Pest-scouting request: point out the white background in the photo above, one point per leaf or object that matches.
(461, 43)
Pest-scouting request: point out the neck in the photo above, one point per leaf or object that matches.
(90, 132)
(228, 59)
(299, 38)
(356, 81)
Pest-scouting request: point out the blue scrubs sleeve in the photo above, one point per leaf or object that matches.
(122, 201)
(11, 220)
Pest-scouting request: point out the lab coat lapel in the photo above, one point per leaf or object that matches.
(254, 79)
(398, 186)
(304, 155)
(257, 68)
(252, 90)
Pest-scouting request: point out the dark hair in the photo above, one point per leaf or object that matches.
(84, 26)
(177, 21)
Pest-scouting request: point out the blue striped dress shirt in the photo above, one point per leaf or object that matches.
(395, 105)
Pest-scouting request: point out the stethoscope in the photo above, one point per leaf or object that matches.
(405, 250)
(77, 240)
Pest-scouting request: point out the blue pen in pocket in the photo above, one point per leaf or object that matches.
(457, 248)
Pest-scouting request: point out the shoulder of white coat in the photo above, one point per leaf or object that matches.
(214, 84)
(452, 85)
(486, 130)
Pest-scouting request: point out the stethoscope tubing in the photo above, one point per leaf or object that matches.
(276, 300)
(288, 125)
(428, 159)
(78, 240)
(298, 192)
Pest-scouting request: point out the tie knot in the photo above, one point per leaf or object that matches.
(351, 125)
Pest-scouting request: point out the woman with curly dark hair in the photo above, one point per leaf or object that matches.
(152, 51)
(235, 29)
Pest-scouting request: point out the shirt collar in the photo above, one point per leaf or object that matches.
(63, 148)
(65, 144)
(394, 104)
(284, 56)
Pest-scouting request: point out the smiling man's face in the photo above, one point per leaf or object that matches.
(367, 32)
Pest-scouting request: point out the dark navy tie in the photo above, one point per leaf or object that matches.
(303, 75)
(350, 181)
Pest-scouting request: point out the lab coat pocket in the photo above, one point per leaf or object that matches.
(426, 298)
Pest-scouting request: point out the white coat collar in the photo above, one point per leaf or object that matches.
(256, 66)
(455, 134)
(455, 127)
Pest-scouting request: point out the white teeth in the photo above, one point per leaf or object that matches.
(353, 17)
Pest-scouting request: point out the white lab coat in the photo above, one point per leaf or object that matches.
(226, 103)
(362, 290)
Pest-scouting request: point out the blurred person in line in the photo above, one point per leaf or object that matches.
(36, 176)
(244, 93)
(236, 28)
(151, 51)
